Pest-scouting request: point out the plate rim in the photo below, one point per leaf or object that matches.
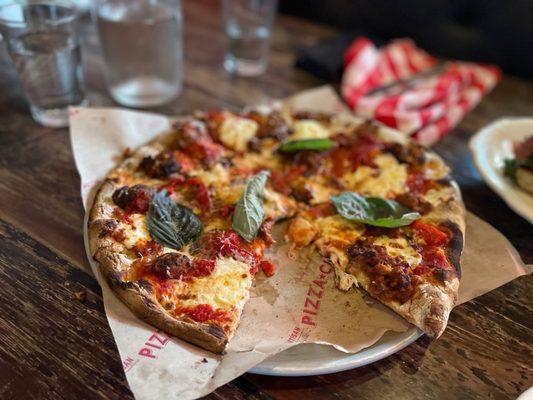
(364, 357)
(474, 145)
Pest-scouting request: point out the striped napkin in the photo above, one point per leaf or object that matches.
(418, 95)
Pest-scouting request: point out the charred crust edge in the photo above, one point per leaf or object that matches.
(455, 246)
(217, 332)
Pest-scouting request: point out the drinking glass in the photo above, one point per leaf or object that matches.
(142, 48)
(248, 25)
(43, 42)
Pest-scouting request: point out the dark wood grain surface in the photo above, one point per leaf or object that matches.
(54, 339)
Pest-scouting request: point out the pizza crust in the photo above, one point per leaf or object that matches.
(139, 296)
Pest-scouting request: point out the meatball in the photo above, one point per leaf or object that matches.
(189, 132)
(414, 203)
(302, 191)
(172, 266)
(316, 115)
(133, 199)
(162, 166)
(410, 154)
(274, 126)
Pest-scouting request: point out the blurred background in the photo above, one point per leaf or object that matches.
(491, 31)
(233, 38)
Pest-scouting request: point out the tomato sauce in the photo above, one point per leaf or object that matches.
(418, 183)
(227, 243)
(268, 267)
(203, 313)
(432, 236)
(354, 152)
(281, 181)
(433, 252)
(322, 210)
(200, 190)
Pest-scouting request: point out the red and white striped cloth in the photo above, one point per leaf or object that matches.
(426, 108)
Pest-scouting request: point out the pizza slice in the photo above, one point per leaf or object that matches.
(412, 269)
(165, 233)
(408, 260)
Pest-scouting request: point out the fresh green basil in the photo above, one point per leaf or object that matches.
(512, 165)
(170, 224)
(373, 211)
(249, 213)
(307, 144)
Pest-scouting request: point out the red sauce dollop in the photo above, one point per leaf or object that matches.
(433, 251)
(268, 267)
(201, 191)
(204, 267)
(228, 243)
(418, 183)
(322, 210)
(281, 181)
(432, 236)
(203, 313)
(354, 152)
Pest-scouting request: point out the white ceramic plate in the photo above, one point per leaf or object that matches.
(490, 147)
(527, 395)
(315, 359)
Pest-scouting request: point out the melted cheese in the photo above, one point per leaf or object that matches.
(230, 194)
(267, 158)
(398, 247)
(216, 176)
(136, 232)
(301, 232)
(343, 124)
(309, 129)
(226, 287)
(320, 188)
(338, 229)
(389, 180)
(436, 197)
(236, 132)
(217, 223)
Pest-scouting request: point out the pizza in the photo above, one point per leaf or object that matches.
(183, 224)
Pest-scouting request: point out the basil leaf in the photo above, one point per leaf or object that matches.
(512, 164)
(249, 213)
(373, 211)
(170, 224)
(307, 144)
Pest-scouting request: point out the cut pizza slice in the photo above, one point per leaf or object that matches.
(189, 273)
(413, 269)
(195, 290)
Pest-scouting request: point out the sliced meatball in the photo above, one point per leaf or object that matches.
(162, 166)
(189, 132)
(133, 199)
(323, 117)
(172, 266)
(274, 126)
(414, 203)
(410, 154)
(302, 191)
(366, 255)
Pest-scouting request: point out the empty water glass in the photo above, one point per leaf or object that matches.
(142, 48)
(248, 25)
(42, 39)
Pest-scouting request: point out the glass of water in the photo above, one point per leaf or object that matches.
(248, 26)
(42, 39)
(142, 48)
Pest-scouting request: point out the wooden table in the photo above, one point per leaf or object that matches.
(54, 338)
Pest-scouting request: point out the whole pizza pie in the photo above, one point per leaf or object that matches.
(181, 227)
